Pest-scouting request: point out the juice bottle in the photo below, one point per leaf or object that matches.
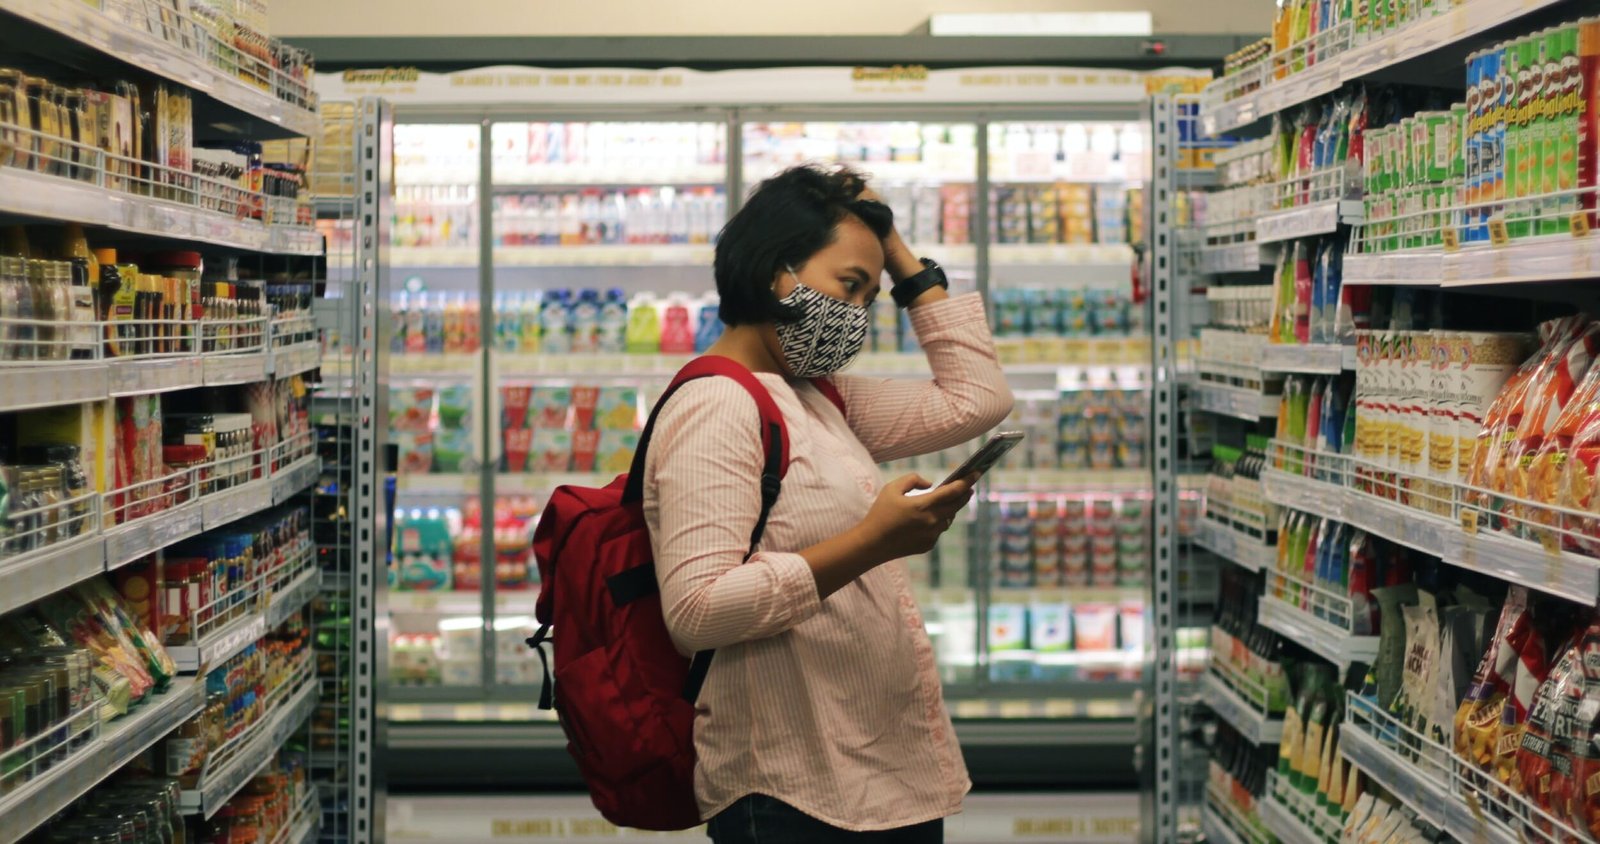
(677, 334)
(471, 325)
(554, 323)
(709, 327)
(613, 326)
(528, 321)
(585, 321)
(644, 325)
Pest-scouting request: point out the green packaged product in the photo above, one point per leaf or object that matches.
(1389, 666)
(1570, 104)
(1458, 134)
(1548, 131)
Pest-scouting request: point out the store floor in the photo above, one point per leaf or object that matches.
(1077, 818)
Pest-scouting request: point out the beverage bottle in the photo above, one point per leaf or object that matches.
(571, 221)
(677, 334)
(529, 321)
(644, 325)
(613, 327)
(433, 323)
(678, 219)
(454, 331)
(611, 218)
(585, 322)
(708, 324)
(508, 322)
(471, 325)
(416, 323)
(398, 318)
(549, 221)
(555, 330)
(590, 226)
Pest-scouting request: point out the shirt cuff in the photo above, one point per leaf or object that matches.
(797, 586)
(955, 312)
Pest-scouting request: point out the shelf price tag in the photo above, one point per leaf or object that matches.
(1551, 542)
(1498, 235)
(1451, 238)
(1469, 521)
(1580, 224)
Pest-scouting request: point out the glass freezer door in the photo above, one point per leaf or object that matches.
(602, 288)
(436, 571)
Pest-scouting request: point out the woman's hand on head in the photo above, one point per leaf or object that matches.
(902, 525)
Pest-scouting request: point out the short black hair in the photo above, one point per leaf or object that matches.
(789, 218)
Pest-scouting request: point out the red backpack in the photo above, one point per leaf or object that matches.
(623, 694)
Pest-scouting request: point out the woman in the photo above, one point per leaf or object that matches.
(822, 717)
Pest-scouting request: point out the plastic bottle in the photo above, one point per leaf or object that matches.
(613, 327)
(644, 325)
(554, 323)
(529, 323)
(585, 322)
(471, 325)
(709, 324)
(677, 333)
(589, 226)
(455, 314)
(433, 319)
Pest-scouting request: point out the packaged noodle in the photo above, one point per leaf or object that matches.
(1533, 771)
(1547, 400)
(1479, 713)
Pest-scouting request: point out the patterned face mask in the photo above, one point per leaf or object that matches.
(828, 335)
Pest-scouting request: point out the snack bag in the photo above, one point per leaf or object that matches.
(1577, 484)
(1479, 713)
(1414, 704)
(1535, 771)
(1532, 668)
(1547, 400)
(1540, 477)
(1503, 416)
(1582, 791)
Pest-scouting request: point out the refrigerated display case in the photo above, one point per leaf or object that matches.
(543, 298)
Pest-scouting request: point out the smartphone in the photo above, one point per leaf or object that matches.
(982, 460)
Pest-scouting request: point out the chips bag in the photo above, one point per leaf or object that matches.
(1545, 406)
(1505, 412)
(1583, 790)
(1577, 484)
(1532, 668)
(1479, 713)
(1534, 771)
(1541, 477)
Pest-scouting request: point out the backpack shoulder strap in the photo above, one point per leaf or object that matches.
(828, 390)
(774, 435)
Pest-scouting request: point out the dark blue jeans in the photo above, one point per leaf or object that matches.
(759, 819)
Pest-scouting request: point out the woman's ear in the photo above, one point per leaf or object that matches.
(783, 283)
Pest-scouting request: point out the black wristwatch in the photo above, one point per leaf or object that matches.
(907, 290)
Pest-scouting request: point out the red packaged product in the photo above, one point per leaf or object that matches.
(1504, 415)
(1582, 789)
(1535, 773)
(1532, 669)
(1478, 716)
(1546, 403)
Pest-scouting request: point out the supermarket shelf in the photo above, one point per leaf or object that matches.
(625, 255)
(1526, 562)
(1412, 42)
(29, 577)
(295, 478)
(1280, 821)
(284, 361)
(1309, 495)
(1320, 359)
(1235, 546)
(56, 198)
(1238, 402)
(1257, 727)
(1053, 254)
(233, 504)
(47, 385)
(1309, 221)
(217, 646)
(223, 370)
(1402, 778)
(37, 801)
(1409, 269)
(99, 31)
(1316, 635)
(512, 179)
(149, 534)
(1231, 258)
(293, 597)
(1217, 830)
(26, 387)
(1554, 258)
(141, 376)
(307, 821)
(217, 787)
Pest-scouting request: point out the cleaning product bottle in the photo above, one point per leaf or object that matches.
(613, 325)
(644, 325)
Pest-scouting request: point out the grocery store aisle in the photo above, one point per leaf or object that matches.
(1090, 818)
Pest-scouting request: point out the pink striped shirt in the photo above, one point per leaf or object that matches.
(831, 706)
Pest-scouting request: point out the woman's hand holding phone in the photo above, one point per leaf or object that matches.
(901, 524)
